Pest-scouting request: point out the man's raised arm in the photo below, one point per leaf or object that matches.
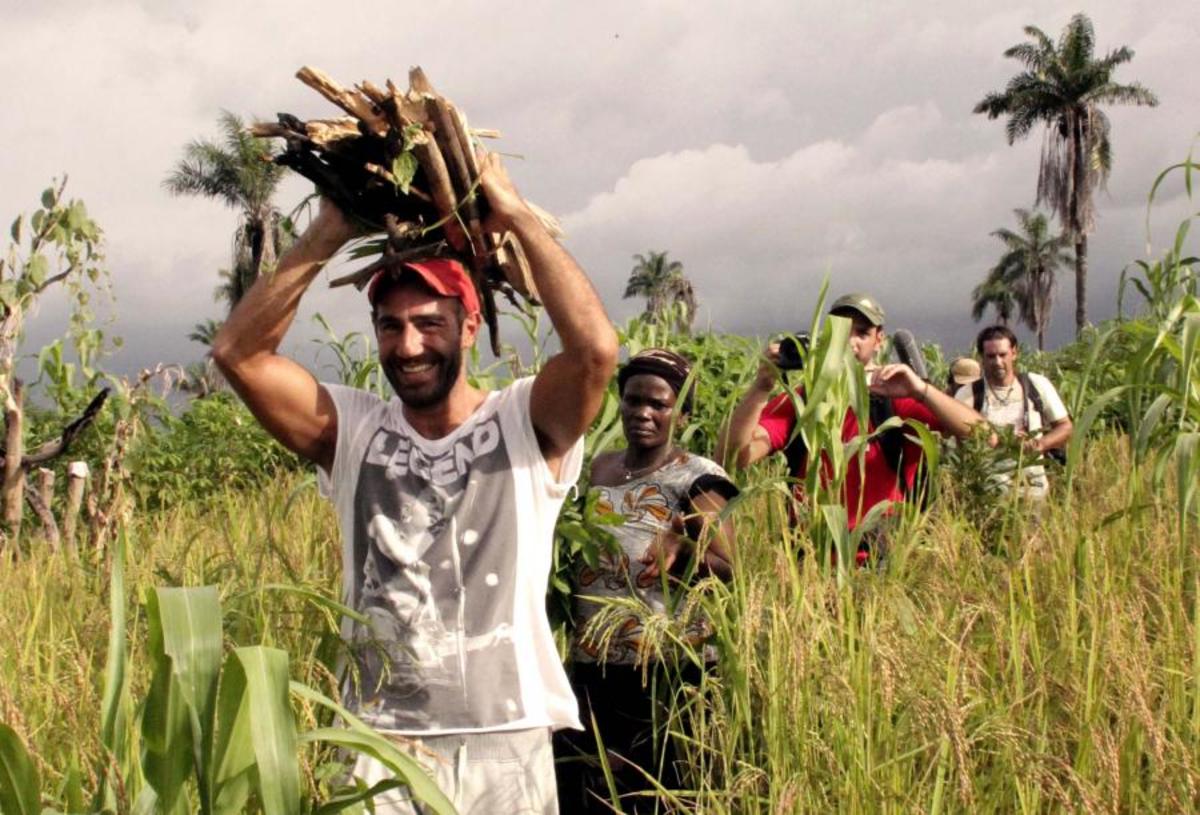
(569, 389)
(284, 396)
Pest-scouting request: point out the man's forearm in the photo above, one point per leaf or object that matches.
(733, 443)
(955, 417)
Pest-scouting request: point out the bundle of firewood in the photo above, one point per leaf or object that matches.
(405, 163)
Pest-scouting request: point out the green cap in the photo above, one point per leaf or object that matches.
(863, 304)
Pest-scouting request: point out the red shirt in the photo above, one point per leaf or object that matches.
(881, 482)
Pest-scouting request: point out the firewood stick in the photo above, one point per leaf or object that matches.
(458, 123)
(418, 82)
(268, 130)
(372, 91)
(386, 175)
(326, 131)
(432, 164)
(348, 101)
(437, 176)
(520, 275)
(446, 135)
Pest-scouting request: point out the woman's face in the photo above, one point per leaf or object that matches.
(647, 405)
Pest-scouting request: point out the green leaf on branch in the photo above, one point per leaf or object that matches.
(16, 228)
(404, 169)
(36, 270)
(49, 199)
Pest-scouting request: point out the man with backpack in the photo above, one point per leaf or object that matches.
(761, 424)
(1027, 402)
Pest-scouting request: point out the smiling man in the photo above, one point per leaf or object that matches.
(447, 498)
(1026, 402)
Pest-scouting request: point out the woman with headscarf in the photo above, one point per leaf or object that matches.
(670, 502)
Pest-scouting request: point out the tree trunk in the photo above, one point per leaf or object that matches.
(1080, 284)
(1080, 189)
(13, 487)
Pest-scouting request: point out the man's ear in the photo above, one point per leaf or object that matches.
(470, 329)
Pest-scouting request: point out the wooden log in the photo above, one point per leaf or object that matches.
(77, 476)
(43, 507)
(410, 105)
(325, 132)
(446, 135)
(268, 130)
(418, 82)
(373, 92)
(448, 141)
(431, 162)
(515, 266)
(353, 103)
(13, 487)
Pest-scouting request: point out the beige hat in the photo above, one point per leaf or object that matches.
(964, 371)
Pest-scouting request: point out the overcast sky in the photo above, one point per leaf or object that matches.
(764, 145)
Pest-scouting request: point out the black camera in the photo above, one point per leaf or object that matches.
(793, 349)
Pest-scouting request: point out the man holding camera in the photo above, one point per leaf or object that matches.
(761, 425)
(1027, 402)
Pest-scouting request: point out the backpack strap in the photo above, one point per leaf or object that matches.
(977, 394)
(1034, 397)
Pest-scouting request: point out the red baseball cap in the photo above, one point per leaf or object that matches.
(445, 276)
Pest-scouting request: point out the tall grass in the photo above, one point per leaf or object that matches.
(1049, 662)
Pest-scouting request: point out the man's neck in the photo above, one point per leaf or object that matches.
(1004, 383)
(440, 420)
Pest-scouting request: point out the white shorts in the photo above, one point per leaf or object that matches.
(510, 772)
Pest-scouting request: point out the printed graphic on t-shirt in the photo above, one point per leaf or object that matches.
(435, 541)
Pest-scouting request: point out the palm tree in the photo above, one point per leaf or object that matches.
(1027, 272)
(663, 284)
(205, 332)
(1064, 86)
(996, 293)
(240, 172)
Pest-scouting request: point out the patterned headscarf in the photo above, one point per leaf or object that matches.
(660, 362)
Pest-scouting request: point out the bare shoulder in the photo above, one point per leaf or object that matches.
(607, 470)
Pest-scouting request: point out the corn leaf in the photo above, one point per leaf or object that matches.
(233, 750)
(114, 712)
(185, 648)
(19, 784)
(272, 726)
(361, 738)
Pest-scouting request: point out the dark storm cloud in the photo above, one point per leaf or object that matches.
(763, 144)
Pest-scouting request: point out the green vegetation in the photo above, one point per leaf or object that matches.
(1003, 660)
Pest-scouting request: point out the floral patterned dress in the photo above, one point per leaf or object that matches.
(649, 504)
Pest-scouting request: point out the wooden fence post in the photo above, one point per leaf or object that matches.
(77, 477)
